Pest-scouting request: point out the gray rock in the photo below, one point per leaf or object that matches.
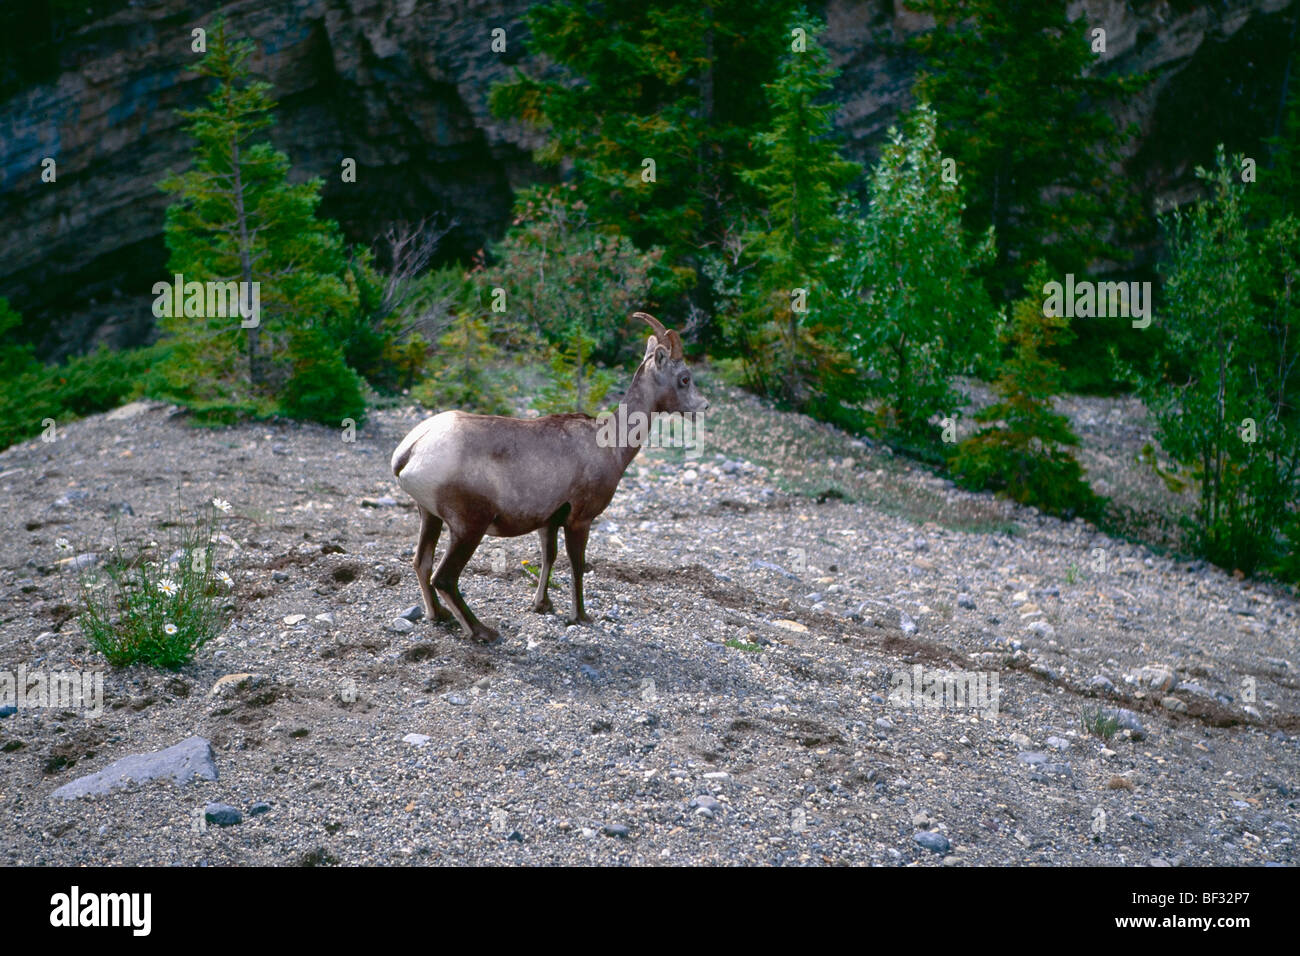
(416, 740)
(705, 802)
(1100, 682)
(905, 623)
(222, 815)
(769, 566)
(257, 809)
(412, 613)
(966, 601)
(401, 625)
(455, 700)
(1127, 720)
(932, 841)
(8, 710)
(884, 723)
(1058, 743)
(1033, 758)
(182, 762)
(615, 830)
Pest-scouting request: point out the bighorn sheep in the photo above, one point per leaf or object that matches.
(486, 474)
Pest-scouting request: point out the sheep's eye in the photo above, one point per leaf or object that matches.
(686, 380)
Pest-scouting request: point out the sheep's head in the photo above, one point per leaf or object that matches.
(674, 386)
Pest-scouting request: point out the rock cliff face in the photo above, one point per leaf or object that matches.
(402, 85)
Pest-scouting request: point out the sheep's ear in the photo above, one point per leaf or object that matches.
(651, 344)
(661, 357)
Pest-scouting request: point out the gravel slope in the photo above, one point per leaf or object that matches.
(731, 705)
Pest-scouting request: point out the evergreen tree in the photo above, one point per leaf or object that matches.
(1024, 115)
(236, 217)
(1024, 452)
(462, 374)
(677, 82)
(788, 327)
(576, 385)
(1278, 192)
(916, 310)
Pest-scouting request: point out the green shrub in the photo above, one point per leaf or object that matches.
(917, 313)
(1226, 396)
(575, 384)
(1023, 453)
(561, 273)
(466, 371)
(322, 388)
(31, 392)
(142, 610)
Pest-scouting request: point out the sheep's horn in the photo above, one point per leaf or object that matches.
(660, 332)
(667, 337)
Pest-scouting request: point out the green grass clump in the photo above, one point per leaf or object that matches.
(159, 613)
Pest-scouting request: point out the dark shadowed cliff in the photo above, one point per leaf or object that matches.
(402, 85)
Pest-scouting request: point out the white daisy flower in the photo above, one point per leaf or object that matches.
(169, 628)
(63, 545)
(221, 504)
(226, 579)
(168, 587)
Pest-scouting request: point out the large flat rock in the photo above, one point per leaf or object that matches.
(181, 762)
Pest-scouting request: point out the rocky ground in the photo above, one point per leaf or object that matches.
(735, 702)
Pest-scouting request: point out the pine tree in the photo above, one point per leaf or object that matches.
(678, 82)
(236, 217)
(462, 374)
(788, 327)
(1023, 114)
(1024, 452)
(915, 308)
(576, 385)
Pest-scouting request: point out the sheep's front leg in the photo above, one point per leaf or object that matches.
(575, 543)
(446, 581)
(430, 529)
(548, 536)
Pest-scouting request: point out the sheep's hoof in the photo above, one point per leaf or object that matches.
(544, 606)
(440, 613)
(484, 635)
(583, 618)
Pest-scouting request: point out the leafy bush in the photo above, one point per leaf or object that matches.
(1023, 454)
(138, 610)
(465, 372)
(561, 273)
(1232, 350)
(31, 392)
(575, 385)
(917, 313)
(323, 388)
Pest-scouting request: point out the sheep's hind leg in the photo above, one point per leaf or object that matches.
(575, 543)
(430, 528)
(542, 603)
(446, 581)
